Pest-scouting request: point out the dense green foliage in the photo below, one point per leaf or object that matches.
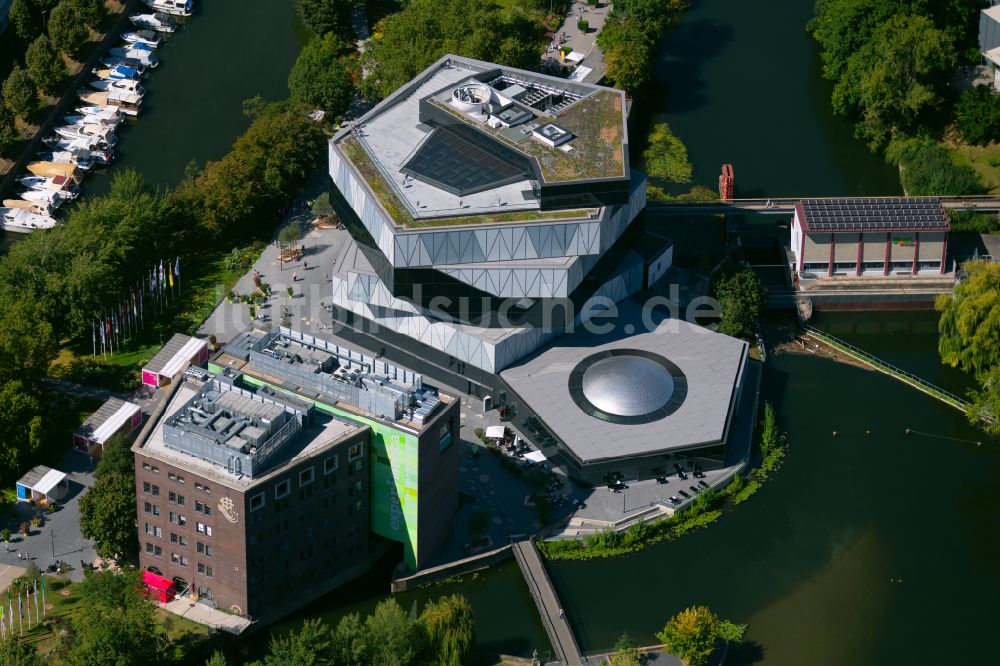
(320, 76)
(425, 30)
(630, 35)
(926, 168)
(108, 509)
(23, 18)
(970, 221)
(626, 653)
(977, 115)
(891, 60)
(8, 130)
(17, 653)
(21, 427)
(666, 156)
(691, 634)
(66, 28)
(742, 297)
(115, 625)
(970, 336)
(20, 94)
(45, 65)
(325, 16)
(91, 12)
(443, 634)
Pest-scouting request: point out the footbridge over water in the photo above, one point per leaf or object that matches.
(542, 591)
(786, 205)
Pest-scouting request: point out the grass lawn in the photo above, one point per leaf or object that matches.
(985, 160)
(203, 283)
(63, 603)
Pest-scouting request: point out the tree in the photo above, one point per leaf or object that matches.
(450, 631)
(626, 653)
(21, 427)
(8, 131)
(27, 343)
(217, 659)
(45, 65)
(927, 169)
(843, 27)
(320, 77)
(107, 515)
(92, 12)
(666, 157)
(23, 18)
(742, 298)
(984, 411)
(326, 16)
(691, 634)
(115, 624)
(628, 53)
(424, 30)
(977, 115)
(392, 638)
(309, 647)
(19, 93)
(290, 234)
(116, 458)
(66, 28)
(18, 653)
(970, 320)
(895, 77)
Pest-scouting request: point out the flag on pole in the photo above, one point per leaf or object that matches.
(36, 601)
(27, 602)
(170, 279)
(93, 331)
(44, 610)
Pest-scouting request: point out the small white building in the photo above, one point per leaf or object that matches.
(42, 483)
(180, 351)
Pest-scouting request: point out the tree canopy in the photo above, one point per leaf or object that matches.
(691, 634)
(21, 427)
(8, 131)
(320, 76)
(92, 12)
(630, 35)
(20, 94)
(742, 297)
(107, 515)
(66, 28)
(327, 16)
(977, 115)
(45, 65)
(666, 156)
(970, 336)
(927, 169)
(424, 30)
(26, 23)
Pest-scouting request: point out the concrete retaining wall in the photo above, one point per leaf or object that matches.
(457, 568)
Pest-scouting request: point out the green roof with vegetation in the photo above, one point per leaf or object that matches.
(597, 124)
(353, 150)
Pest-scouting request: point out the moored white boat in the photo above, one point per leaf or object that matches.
(125, 85)
(52, 170)
(99, 155)
(103, 133)
(109, 61)
(158, 22)
(142, 37)
(23, 221)
(40, 207)
(81, 158)
(139, 46)
(127, 103)
(108, 116)
(173, 7)
(61, 184)
(146, 58)
(119, 72)
(51, 197)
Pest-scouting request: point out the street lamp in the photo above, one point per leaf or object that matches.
(52, 534)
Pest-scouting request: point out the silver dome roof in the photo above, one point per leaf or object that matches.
(627, 385)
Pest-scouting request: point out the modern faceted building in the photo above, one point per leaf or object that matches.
(488, 206)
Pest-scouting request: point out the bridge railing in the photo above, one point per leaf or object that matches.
(888, 368)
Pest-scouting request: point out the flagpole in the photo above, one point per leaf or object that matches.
(45, 611)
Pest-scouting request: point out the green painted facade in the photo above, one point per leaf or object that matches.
(393, 468)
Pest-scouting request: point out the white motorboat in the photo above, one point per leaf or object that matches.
(142, 37)
(103, 133)
(140, 46)
(172, 7)
(61, 184)
(109, 61)
(119, 72)
(81, 158)
(158, 22)
(70, 133)
(127, 103)
(108, 116)
(100, 155)
(53, 170)
(40, 207)
(52, 198)
(23, 221)
(147, 59)
(125, 85)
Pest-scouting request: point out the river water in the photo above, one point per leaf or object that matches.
(866, 541)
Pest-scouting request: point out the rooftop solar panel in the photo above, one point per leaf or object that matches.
(462, 160)
(874, 214)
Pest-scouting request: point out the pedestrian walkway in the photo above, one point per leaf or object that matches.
(542, 591)
(206, 615)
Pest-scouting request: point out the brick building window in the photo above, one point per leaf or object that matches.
(205, 570)
(355, 452)
(307, 476)
(172, 496)
(180, 500)
(257, 502)
(330, 464)
(205, 549)
(282, 489)
(202, 528)
(355, 466)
